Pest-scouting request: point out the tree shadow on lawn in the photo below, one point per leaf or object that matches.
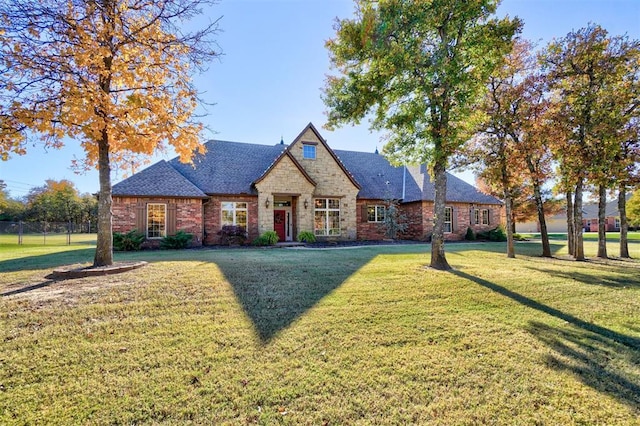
(276, 287)
(597, 361)
(623, 279)
(629, 341)
(48, 261)
(589, 347)
(523, 248)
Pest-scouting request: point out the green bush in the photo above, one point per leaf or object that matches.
(470, 235)
(180, 240)
(496, 234)
(269, 238)
(129, 241)
(306, 237)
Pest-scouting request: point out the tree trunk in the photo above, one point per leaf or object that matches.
(624, 225)
(544, 234)
(438, 258)
(577, 221)
(571, 234)
(104, 246)
(602, 224)
(508, 202)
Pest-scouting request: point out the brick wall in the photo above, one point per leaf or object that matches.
(213, 216)
(368, 230)
(188, 216)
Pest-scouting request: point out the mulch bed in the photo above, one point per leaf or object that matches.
(71, 272)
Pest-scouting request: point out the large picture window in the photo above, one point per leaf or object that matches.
(326, 216)
(448, 215)
(375, 213)
(156, 220)
(234, 213)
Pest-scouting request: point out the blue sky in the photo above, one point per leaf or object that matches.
(267, 84)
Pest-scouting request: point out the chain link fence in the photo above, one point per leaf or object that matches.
(46, 233)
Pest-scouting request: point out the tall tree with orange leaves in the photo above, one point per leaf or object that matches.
(113, 74)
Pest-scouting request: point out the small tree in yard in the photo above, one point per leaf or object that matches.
(394, 221)
(113, 74)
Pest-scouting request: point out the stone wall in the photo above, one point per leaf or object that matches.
(188, 217)
(331, 182)
(285, 179)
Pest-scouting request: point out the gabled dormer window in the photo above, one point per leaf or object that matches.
(308, 151)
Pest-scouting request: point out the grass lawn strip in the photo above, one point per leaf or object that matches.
(365, 336)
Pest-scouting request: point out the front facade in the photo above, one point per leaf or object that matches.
(304, 186)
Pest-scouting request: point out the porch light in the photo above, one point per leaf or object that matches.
(266, 203)
(306, 203)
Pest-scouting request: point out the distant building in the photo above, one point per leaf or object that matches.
(558, 222)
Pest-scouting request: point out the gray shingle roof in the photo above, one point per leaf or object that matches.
(372, 172)
(229, 167)
(232, 167)
(159, 179)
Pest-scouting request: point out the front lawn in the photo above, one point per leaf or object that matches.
(343, 336)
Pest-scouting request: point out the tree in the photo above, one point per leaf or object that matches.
(3, 196)
(514, 154)
(113, 74)
(418, 68)
(633, 209)
(585, 70)
(10, 209)
(59, 201)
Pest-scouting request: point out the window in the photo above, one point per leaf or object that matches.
(375, 213)
(156, 220)
(485, 217)
(309, 151)
(448, 215)
(476, 217)
(326, 216)
(617, 223)
(234, 214)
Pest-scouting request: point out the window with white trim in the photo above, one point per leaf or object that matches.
(234, 213)
(448, 223)
(309, 151)
(326, 220)
(617, 223)
(476, 217)
(376, 213)
(485, 217)
(156, 220)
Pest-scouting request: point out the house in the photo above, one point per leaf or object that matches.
(558, 222)
(611, 213)
(303, 186)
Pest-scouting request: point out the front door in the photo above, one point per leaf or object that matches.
(279, 224)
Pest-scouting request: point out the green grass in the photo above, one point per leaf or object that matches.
(350, 336)
(589, 236)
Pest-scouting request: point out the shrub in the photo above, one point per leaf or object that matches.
(306, 237)
(180, 240)
(232, 234)
(269, 238)
(496, 234)
(470, 235)
(129, 241)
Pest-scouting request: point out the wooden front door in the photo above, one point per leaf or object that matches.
(279, 224)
